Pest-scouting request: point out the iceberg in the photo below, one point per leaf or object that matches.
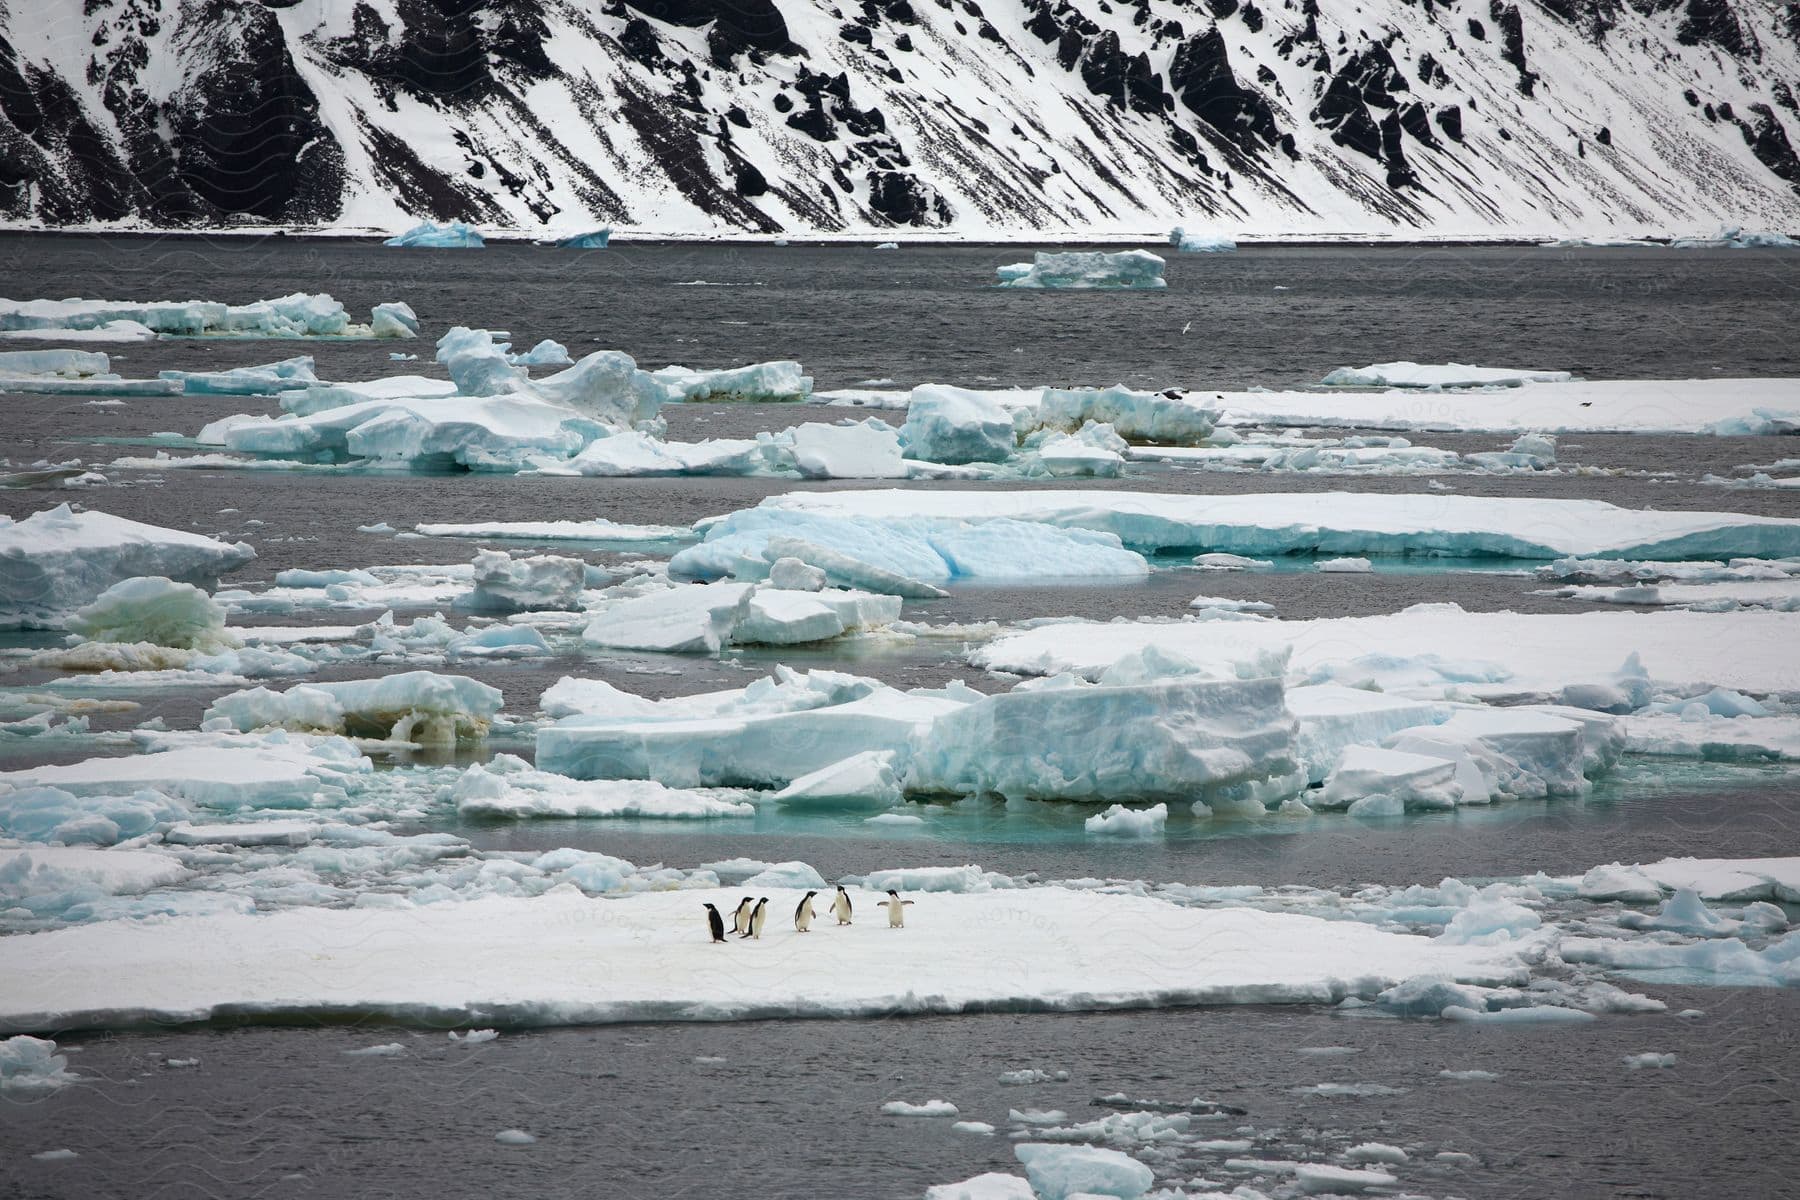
(631, 453)
(1186, 737)
(1372, 781)
(155, 610)
(1119, 821)
(61, 364)
(1093, 450)
(1085, 269)
(1732, 237)
(593, 239)
(413, 706)
(863, 780)
(765, 382)
(651, 959)
(1435, 375)
(1357, 523)
(1166, 416)
(956, 425)
(526, 583)
(866, 450)
(451, 235)
(866, 551)
(300, 314)
(29, 1064)
(1498, 754)
(1333, 717)
(1059, 1172)
(59, 559)
(288, 374)
(1201, 241)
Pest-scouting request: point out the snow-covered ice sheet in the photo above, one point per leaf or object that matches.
(562, 958)
(264, 772)
(1325, 522)
(1433, 648)
(58, 559)
(597, 530)
(1724, 406)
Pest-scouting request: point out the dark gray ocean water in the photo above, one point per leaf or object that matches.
(792, 1109)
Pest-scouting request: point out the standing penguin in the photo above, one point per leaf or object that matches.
(896, 909)
(716, 923)
(740, 920)
(803, 915)
(758, 915)
(840, 905)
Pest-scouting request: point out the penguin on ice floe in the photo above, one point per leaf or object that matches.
(840, 905)
(896, 909)
(754, 926)
(716, 923)
(803, 915)
(740, 920)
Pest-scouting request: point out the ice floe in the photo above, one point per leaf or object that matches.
(29, 1064)
(414, 706)
(58, 559)
(298, 315)
(597, 530)
(507, 787)
(1085, 269)
(1201, 241)
(290, 374)
(1439, 375)
(956, 425)
(451, 235)
(763, 382)
(506, 583)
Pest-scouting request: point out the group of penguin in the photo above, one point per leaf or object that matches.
(747, 921)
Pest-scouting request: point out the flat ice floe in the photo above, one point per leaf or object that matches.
(298, 315)
(58, 559)
(597, 530)
(1317, 522)
(1085, 269)
(1440, 375)
(1431, 649)
(1716, 406)
(562, 958)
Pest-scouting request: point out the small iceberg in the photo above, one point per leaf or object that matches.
(593, 239)
(1085, 269)
(1200, 241)
(429, 235)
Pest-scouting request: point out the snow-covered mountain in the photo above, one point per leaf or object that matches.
(973, 117)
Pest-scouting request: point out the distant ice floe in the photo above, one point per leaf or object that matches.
(72, 372)
(597, 530)
(299, 315)
(421, 707)
(1447, 375)
(451, 235)
(58, 559)
(1085, 269)
(1732, 237)
(1322, 522)
(1201, 241)
(593, 239)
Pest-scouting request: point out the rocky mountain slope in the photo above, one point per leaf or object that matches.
(973, 117)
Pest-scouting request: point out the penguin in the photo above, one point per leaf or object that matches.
(740, 920)
(803, 915)
(716, 923)
(840, 905)
(896, 909)
(758, 915)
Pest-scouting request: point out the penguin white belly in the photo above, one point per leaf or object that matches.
(840, 908)
(896, 914)
(804, 918)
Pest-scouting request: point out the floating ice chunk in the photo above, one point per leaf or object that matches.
(1684, 912)
(956, 425)
(778, 618)
(289, 373)
(695, 618)
(1344, 566)
(594, 239)
(1716, 739)
(846, 570)
(930, 1108)
(1505, 753)
(795, 875)
(1119, 821)
(156, 610)
(1638, 1061)
(58, 559)
(451, 235)
(415, 706)
(515, 1137)
(795, 575)
(969, 878)
(1490, 920)
(1449, 375)
(508, 584)
(597, 530)
(1085, 269)
(1616, 882)
(1333, 717)
(1201, 241)
(1094, 450)
(991, 1186)
(63, 364)
(473, 1037)
(763, 382)
(1471, 1076)
(867, 779)
(1316, 1178)
(1376, 1152)
(1184, 736)
(29, 1064)
(1542, 1014)
(1167, 416)
(1231, 562)
(1409, 781)
(57, 882)
(394, 319)
(1229, 604)
(1060, 1172)
(297, 315)
(266, 773)
(632, 453)
(1430, 995)
(867, 450)
(546, 353)
(501, 641)
(1529, 452)
(49, 814)
(1732, 237)
(507, 788)
(1031, 1075)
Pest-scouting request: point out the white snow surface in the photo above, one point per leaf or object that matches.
(1439, 375)
(562, 958)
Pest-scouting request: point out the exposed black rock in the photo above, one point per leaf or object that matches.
(1202, 79)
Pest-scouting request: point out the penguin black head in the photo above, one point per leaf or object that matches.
(705, 905)
(810, 895)
(893, 893)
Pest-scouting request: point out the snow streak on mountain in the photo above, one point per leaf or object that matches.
(975, 117)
